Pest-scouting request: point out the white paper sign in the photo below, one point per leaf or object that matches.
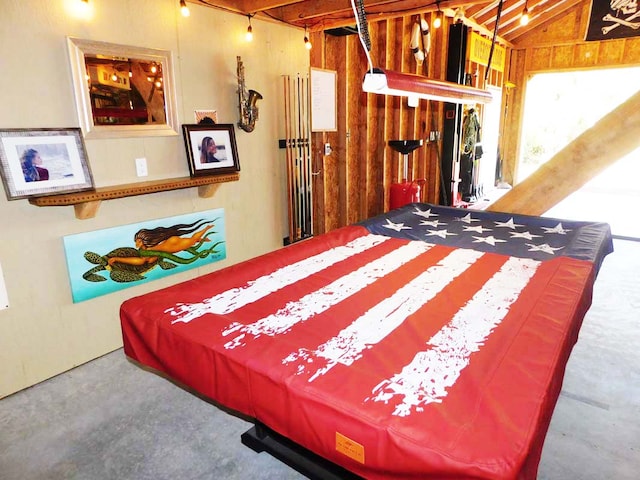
(323, 100)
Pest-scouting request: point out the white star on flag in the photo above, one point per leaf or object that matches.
(527, 235)
(557, 229)
(431, 223)
(467, 219)
(396, 226)
(477, 229)
(440, 233)
(424, 213)
(491, 240)
(508, 224)
(546, 248)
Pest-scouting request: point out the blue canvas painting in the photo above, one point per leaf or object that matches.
(104, 261)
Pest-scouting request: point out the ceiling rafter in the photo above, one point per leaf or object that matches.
(318, 15)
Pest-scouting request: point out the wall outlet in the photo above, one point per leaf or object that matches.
(141, 167)
(327, 149)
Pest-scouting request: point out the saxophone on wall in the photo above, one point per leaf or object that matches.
(247, 102)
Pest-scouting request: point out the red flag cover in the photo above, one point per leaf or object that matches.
(394, 358)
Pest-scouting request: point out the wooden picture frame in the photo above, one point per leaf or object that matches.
(47, 161)
(211, 149)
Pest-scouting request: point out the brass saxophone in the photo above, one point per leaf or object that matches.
(247, 102)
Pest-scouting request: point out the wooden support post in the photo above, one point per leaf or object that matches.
(611, 138)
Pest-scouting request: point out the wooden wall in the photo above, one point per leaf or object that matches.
(353, 182)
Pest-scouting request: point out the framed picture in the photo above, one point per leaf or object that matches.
(48, 161)
(211, 149)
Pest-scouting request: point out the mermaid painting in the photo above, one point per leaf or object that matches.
(153, 247)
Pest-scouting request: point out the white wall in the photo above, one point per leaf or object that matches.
(43, 333)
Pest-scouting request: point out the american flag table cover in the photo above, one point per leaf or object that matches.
(396, 357)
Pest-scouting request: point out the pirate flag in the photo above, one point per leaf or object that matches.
(613, 19)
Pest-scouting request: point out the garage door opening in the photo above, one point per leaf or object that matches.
(558, 108)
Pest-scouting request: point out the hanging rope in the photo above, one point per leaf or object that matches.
(363, 29)
(493, 42)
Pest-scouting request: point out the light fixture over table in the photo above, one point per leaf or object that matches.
(388, 82)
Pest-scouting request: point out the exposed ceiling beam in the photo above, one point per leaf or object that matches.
(317, 15)
(478, 28)
(541, 17)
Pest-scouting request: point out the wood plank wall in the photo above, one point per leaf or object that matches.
(353, 182)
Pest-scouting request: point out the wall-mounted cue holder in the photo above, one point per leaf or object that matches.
(293, 142)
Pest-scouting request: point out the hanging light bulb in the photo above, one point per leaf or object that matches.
(437, 22)
(307, 43)
(184, 9)
(82, 9)
(524, 18)
(114, 77)
(249, 35)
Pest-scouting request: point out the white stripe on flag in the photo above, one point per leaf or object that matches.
(382, 319)
(328, 296)
(428, 376)
(230, 300)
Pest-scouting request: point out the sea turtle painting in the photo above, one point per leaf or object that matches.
(157, 247)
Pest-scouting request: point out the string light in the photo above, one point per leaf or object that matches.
(184, 9)
(249, 35)
(524, 18)
(437, 22)
(83, 9)
(307, 43)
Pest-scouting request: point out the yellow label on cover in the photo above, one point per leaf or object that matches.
(349, 448)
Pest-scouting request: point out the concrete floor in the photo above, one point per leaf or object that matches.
(110, 419)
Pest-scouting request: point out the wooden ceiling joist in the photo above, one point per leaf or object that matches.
(322, 15)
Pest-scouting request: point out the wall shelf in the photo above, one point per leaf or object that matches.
(86, 203)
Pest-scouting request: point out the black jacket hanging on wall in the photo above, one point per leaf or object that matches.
(469, 156)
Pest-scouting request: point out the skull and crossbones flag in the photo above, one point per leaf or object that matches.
(613, 19)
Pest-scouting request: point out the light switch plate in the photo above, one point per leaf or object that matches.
(141, 167)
